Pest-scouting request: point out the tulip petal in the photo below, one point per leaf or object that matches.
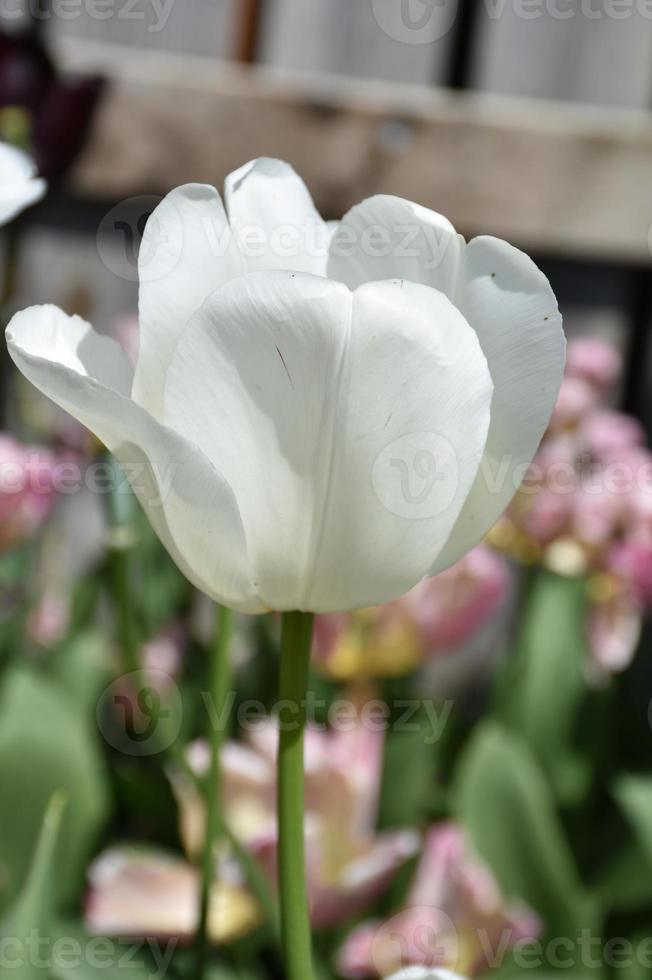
(19, 185)
(189, 504)
(146, 892)
(387, 237)
(346, 424)
(187, 251)
(277, 223)
(362, 879)
(508, 302)
(512, 308)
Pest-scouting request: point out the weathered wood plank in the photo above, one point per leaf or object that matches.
(595, 51)
(351, 37)
(560, 179)
(202, 27)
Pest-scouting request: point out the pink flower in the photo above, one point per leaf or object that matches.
(586, 506)
(576, 399)
(607, 435)
(49, 620)
(546, 513)
(613, 631)
(146, 893)
(164, 652)
(455, 917)
(597, 516)
(437, 616)
(631, 561)
(27, 490)
(448, 609)
(349, 863)
(594, 361)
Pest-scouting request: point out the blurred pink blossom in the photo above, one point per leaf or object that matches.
(606, 434)
(613, 630)
(575, 400)
(439, 615)
(349, 863)
(547, 514)
(594, 361)
(631, 561)
(451, 607)
(27, 490)
(585, 507)
(596, 516)
(164, 652)
(48, 622)
(454, 917)
(146, 893)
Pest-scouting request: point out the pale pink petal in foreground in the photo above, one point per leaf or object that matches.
(149, 894)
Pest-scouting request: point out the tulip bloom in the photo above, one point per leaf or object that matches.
(349, 863)
(435, 618)
(19, 185)
(307, 419)
(454, 917)
(143, 892)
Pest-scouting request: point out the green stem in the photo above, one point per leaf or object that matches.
(120, 503)
(8, 278)
(256, 879)
(220, 681)
(296, 636)
(120, 572)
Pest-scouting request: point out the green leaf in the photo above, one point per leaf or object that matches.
(621, 885)
(31, 915)
(77, 956)
(634, 794)
(641, 960)
(504, 801)
(543, 683)
(47, 744)
(408, 772)
(81, 668)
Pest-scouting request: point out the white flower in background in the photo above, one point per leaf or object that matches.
(19, 185)
(306, 420)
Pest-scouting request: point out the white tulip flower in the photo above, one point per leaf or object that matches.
(19, 185)
(313, 423)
